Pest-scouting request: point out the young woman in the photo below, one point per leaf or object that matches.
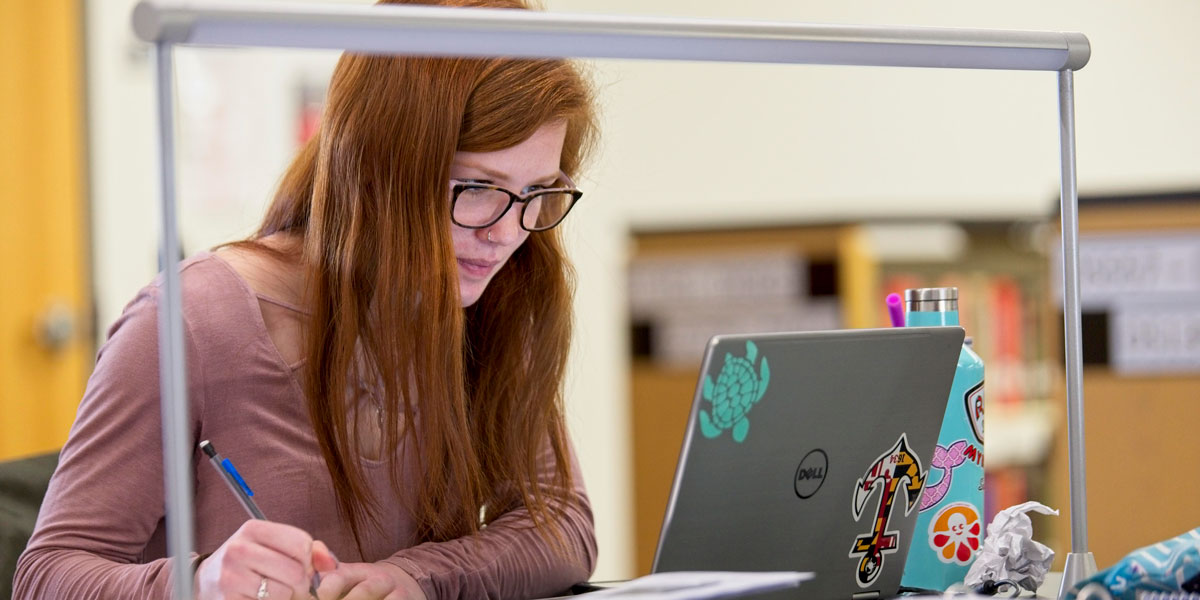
(383, 361)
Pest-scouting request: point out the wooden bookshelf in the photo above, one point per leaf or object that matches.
(662, 393)
(1139, 430)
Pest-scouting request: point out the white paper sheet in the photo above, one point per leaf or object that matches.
(695, 585)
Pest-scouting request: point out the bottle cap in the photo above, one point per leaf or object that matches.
(939, 299)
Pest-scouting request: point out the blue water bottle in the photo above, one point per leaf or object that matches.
(950, 526)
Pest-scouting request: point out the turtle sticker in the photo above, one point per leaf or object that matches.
(895, 469)
(736, 391)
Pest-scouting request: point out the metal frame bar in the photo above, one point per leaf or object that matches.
(1079, 563)
(491, 32)
(177, 474)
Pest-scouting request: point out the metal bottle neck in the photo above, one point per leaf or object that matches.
(943, 299)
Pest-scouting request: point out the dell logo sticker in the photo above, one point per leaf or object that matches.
(811, 473)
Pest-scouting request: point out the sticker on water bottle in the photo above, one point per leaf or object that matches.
(973, 402)
(956, 533)
(945, 460)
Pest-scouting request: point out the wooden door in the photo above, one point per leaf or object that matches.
(45, 341)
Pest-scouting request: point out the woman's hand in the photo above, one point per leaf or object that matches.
(368, 581)
(283, 556)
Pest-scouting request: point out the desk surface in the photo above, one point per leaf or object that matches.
(1048, 590)
(1049, 587)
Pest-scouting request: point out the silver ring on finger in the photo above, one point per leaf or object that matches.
(263, 594)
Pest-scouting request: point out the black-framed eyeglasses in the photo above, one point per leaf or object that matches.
(480, 205)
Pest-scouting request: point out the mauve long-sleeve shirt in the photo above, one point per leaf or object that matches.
(101, 530)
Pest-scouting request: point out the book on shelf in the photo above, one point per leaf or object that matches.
(678, 302)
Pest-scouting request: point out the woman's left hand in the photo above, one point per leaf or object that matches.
(368, 581)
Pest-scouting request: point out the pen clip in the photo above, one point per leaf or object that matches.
(228, 465)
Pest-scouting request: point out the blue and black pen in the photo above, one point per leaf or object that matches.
(243, 492)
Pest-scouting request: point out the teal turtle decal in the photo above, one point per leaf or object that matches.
(737, 390)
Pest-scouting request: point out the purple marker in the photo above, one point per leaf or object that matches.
(895, 310)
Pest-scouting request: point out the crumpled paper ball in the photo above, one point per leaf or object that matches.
(1009, 551)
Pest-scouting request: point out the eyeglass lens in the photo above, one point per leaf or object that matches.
(479, 207)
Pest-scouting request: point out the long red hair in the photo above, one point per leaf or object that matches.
(480, 389)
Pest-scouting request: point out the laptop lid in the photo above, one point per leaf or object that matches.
(808, 452)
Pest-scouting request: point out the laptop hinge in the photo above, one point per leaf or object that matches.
(865, 596)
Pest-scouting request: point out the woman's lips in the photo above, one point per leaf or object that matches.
(476, 268)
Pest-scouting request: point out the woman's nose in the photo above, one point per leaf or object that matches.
(507, 229)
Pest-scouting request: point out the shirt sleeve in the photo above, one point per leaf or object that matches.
(105, 501)
(510, 558)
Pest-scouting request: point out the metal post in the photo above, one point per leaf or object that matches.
(1080, 563)
(177, 472)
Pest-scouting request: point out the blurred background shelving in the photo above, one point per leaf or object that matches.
(1140, 415)
(688, 286)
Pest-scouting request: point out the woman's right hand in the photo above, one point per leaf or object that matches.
(282, 555)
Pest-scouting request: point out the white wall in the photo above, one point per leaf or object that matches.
(689, 144)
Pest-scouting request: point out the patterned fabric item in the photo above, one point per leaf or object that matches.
(1167, 569)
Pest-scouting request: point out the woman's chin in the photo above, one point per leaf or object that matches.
(471, 288)
(470, 294)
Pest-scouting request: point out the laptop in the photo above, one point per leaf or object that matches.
(808, 452)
